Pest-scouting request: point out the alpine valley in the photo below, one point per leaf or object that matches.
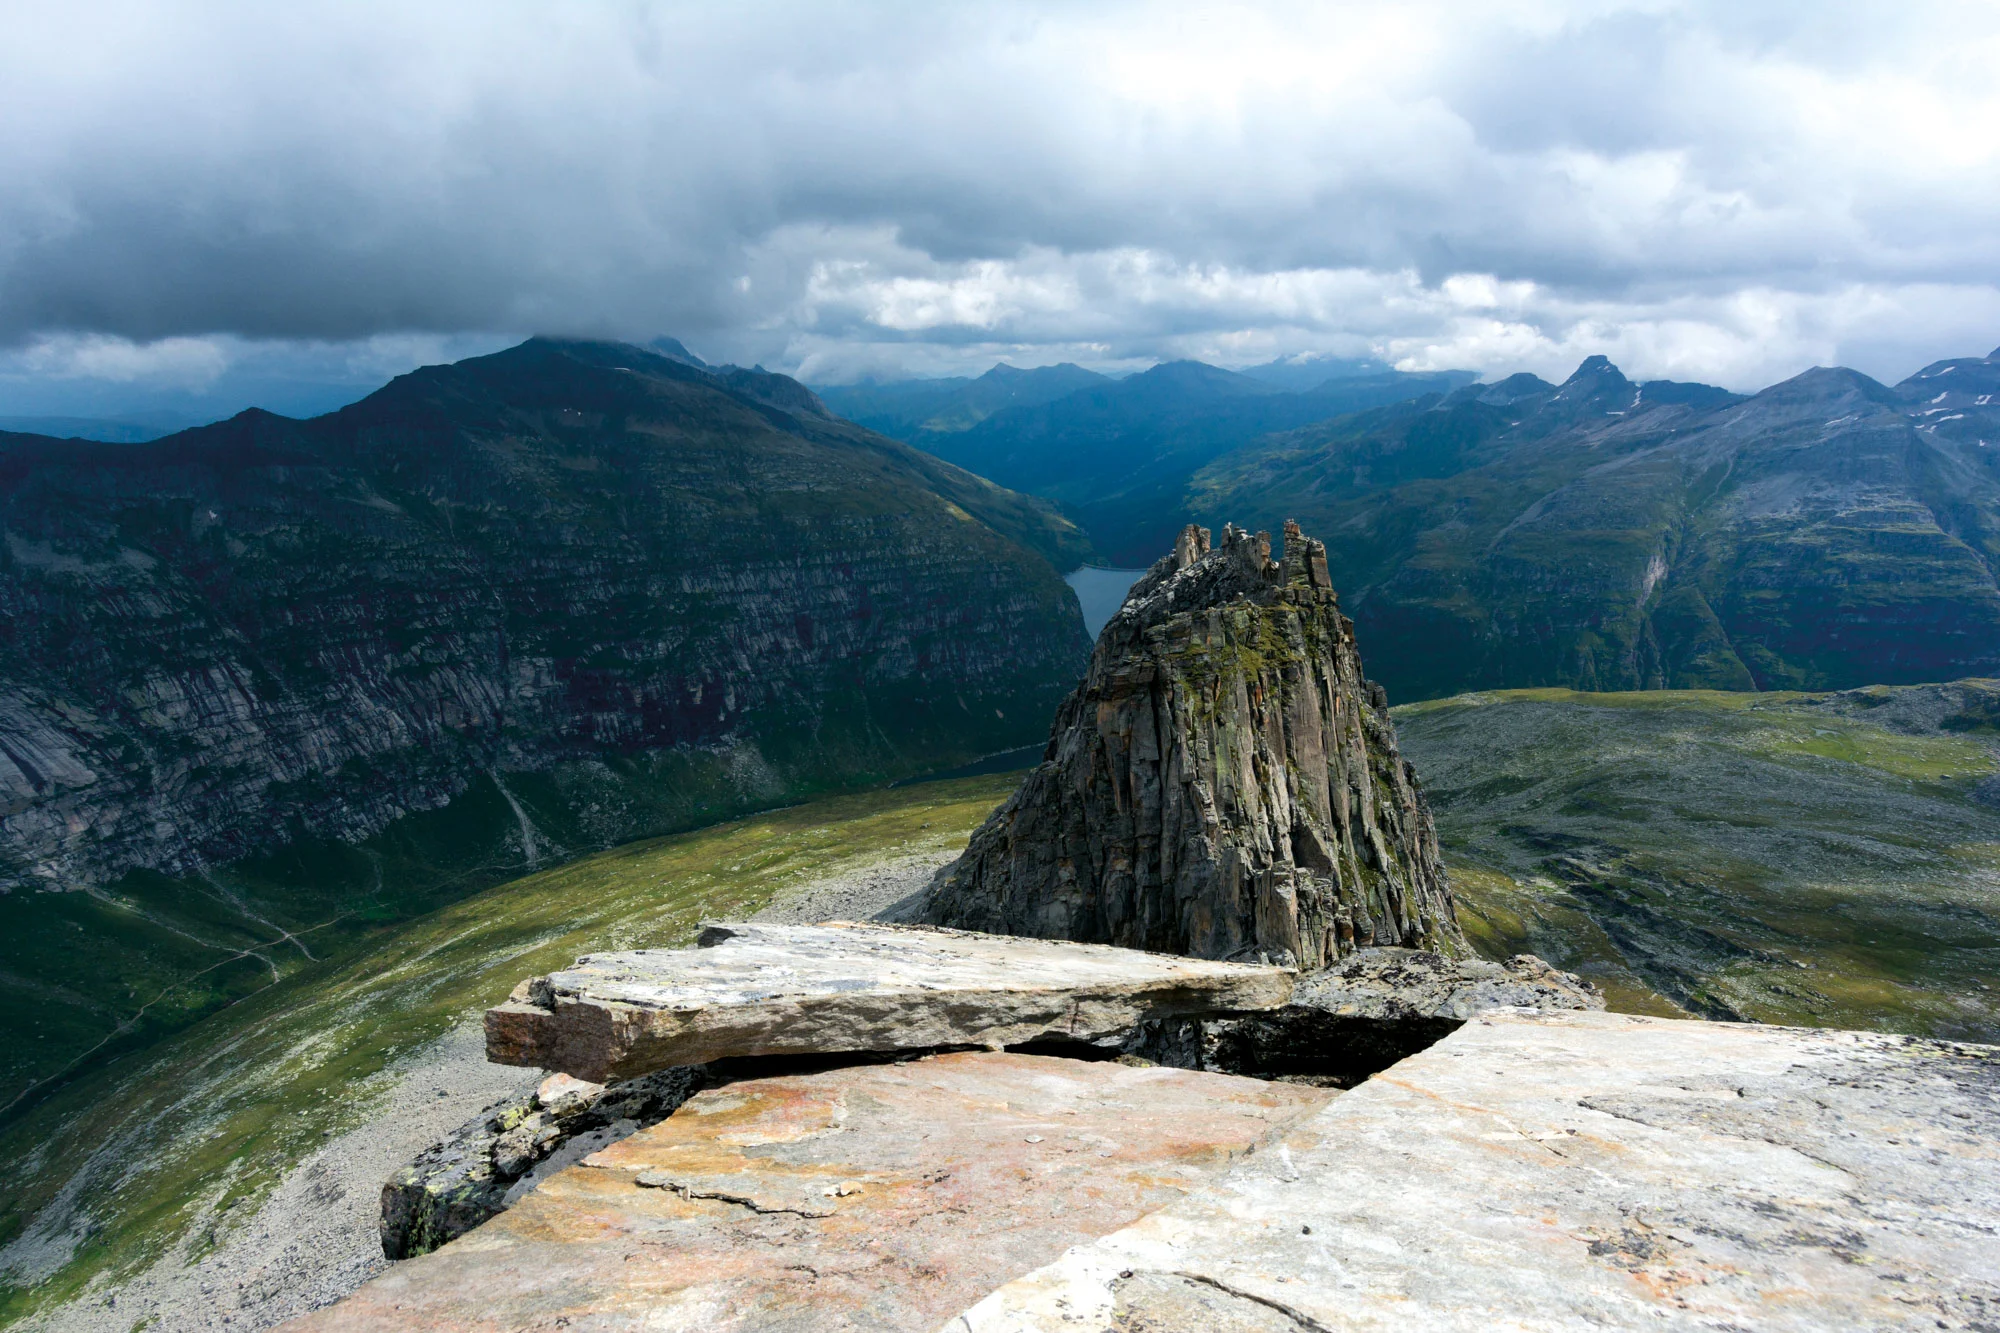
(268, 685)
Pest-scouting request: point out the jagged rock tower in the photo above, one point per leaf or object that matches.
(1224, 783)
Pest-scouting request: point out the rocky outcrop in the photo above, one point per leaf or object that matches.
(1225, 783)
(841, 988)
(1582, 1171)
(473, 1175)
(1349, 1022)
(857, 1199)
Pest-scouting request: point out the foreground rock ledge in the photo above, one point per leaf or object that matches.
(870, 1198)
(754, 990)
(1583, 1171)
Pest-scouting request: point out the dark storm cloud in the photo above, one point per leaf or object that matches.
(1715, 190)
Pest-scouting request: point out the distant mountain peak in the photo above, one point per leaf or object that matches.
(1598, 372)
(673, 349)
(1200, 373)
(1510, 390)
(1830, 383)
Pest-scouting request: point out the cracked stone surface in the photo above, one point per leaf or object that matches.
(1582, 1170)
(876, 1197)
(757, 990)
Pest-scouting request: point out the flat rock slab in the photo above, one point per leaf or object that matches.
(876, 1197)
(1583, 1171)
(814, 990)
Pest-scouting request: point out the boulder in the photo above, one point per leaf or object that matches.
(1224, 783)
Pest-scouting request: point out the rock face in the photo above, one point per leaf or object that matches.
(867, 1198)
(760, 990)
(459, 1183)
(1224, 783)
(1582, 1171)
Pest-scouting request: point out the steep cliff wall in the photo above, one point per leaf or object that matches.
(1224, 783)
(271, 680)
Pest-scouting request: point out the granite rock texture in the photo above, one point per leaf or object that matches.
(763, 990)
(871, 1197)
(1583, 1171)
(1225, 783)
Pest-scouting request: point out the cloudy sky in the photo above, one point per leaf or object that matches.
(209, 203)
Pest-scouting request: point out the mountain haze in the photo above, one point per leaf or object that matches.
(1118, 454)
(1828, 532)
(913, 409)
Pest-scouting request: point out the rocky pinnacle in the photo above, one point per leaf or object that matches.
(1224, 783)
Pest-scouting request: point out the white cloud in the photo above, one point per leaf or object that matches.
(183, 363)
(1725, 191)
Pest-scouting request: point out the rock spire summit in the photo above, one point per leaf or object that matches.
(1224, 783)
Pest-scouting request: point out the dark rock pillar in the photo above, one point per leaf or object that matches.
(1225, 783)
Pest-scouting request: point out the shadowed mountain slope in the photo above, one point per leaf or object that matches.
(909, 409)
(1118, 454)
(1827, 532)
(268, 683)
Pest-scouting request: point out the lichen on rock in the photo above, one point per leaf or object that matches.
(1224, 783)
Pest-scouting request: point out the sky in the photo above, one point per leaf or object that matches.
(210, 204)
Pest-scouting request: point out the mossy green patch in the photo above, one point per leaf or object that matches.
(1822, 859)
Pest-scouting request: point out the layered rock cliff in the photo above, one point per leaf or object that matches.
(497, 613)
(1224, 783)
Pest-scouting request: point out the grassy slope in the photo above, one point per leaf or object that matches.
(92, 976)
(135, 1154)
(1784, 858)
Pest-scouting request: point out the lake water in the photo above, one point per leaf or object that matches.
(1101, 592)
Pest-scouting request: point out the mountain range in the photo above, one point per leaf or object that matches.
(1828, 532)
(1117, 454)
(268, 684)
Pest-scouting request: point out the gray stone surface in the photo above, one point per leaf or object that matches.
(491, 1160)
(1389, 985)
(1578, 1171)
(1224, 783)
(755, 990)
(873, 1198)
(1363, 1014)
